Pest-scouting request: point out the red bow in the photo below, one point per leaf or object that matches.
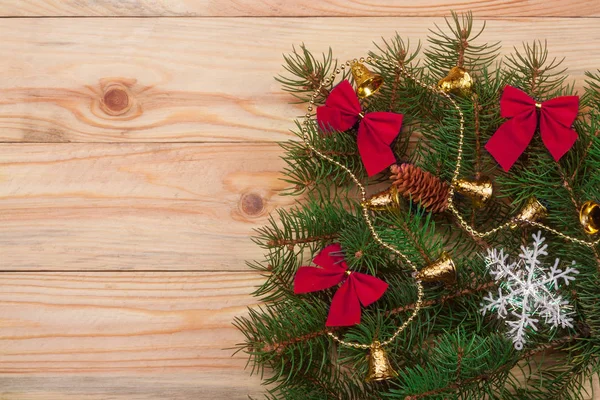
(376, 132)
(512, 138)
(356, 288)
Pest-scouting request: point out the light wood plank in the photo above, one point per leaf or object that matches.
(126, 336)
(135, 206)
(282, 8)
(123, 336)
(201, 79)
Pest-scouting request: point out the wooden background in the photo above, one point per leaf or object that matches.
(138, 153)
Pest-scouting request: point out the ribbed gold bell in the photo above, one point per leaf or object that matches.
(367, 83)
(532, 211)
(380, 368)
(458, 81)
(589, 216)
(383, 200)
(479, 190)
(441, 270)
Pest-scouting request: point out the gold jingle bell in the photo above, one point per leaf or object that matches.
(367, 83)
(380, 368)
(589, 216)
(441, 270)
(479, 190)
(532, 211)
(458, 81)
(384, 200)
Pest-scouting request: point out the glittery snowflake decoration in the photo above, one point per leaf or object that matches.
(526, 290)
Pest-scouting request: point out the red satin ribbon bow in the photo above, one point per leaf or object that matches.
(512, 138)
(356, 288)
(376, 132)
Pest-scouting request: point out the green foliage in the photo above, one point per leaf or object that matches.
(305, 73)
(455, 361)
(305, 172)
(457, 47)
(591, 96)
(450, 350)
(532, 71)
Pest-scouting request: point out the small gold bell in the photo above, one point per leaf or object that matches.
(441, 270)
(589, 216)
(479, 190)
(380, 368)
(458, 81)
(367, 83)
(532, 211)
(385, 200)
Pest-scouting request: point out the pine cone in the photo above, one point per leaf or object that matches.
(420, 186)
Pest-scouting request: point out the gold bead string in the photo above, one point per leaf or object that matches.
(450, 199)
(365, 212)
(506, 225)
(459, 155)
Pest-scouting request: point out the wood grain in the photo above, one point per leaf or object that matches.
(123, 335)
(113, 191)
(135, 206)
(126, 336)
(186, 79)
(305, 8)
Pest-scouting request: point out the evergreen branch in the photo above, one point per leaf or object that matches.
(461, 293)
(457, 385)
(460, 353)
(584, 155)
(462, 47)
(397, 52)
(550, 345)
(479, 241)
(303, 224)
(309, 152)
(460, 384)
(597, 259)
(531, 70)
(456, 48)
(567, 186)
(414, 241)
(328, 391)
(282, 283)
(394, 94)
(292, 242)
(413, 232)
(307, 74)
(307, 172)
(455, 352)
(476, 110)
(591, 97)
(279, 347)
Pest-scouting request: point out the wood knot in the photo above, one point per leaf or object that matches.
(116, 99)
(251, 204)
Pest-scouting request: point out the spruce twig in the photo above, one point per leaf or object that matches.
(451, 350)
(306, 73)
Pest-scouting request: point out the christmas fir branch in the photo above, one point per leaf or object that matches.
(450, 350)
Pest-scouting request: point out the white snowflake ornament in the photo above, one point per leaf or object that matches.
(526, 290)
